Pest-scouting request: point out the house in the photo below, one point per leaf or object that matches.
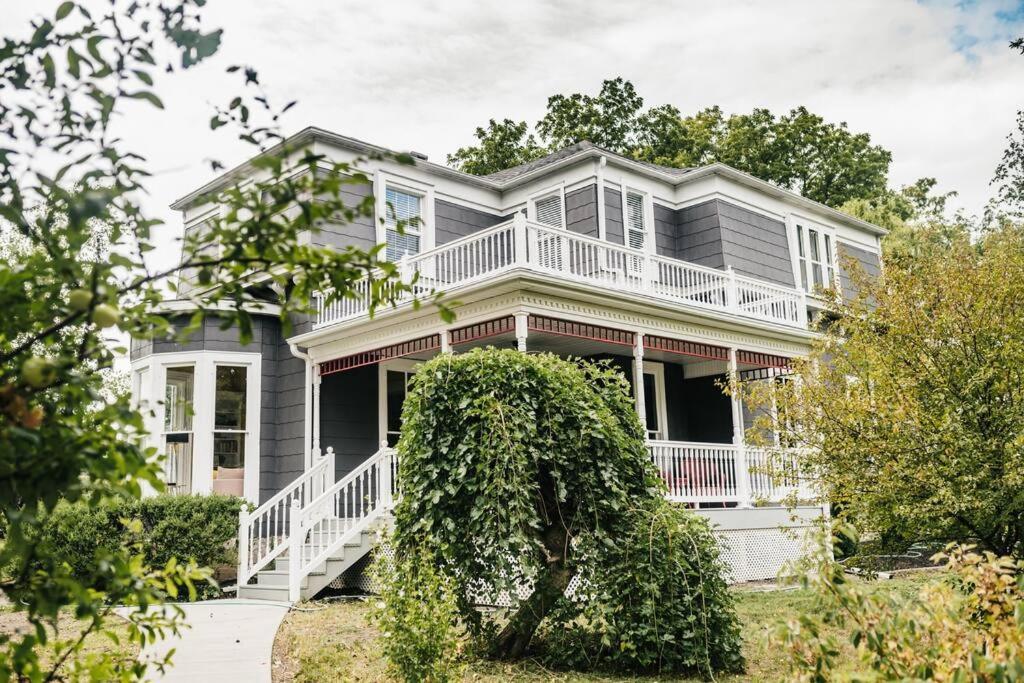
(678, 276)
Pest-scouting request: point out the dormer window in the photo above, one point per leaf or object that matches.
(402, 209)
(815, 257)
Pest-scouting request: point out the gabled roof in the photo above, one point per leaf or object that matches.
(512, 177)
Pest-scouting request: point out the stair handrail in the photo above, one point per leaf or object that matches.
(372, 476)
(263, 532)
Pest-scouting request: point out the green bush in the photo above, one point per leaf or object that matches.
(654, 602)
(199, 528)
(418, 616)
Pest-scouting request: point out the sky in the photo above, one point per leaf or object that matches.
(933, 81)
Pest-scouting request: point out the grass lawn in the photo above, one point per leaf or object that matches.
(332, 641)
(69, 628)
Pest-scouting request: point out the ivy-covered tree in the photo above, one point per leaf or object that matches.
(910, 408)
(799, 150)
(524, 471)
(70, 184)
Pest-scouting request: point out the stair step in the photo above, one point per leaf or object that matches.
(274, 593)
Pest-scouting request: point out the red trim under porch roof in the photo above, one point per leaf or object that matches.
(431, 342)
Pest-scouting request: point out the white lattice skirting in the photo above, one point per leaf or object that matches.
(757, 544)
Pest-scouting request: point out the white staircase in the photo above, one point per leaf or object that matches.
(304, 537)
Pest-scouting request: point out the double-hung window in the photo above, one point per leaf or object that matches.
(635, 227)
(549, 212)
(403, 218)
(815, 257)
(229, 408)
(179, 394)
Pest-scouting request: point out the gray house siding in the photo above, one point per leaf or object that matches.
(360, 232)
(699, 235)
(755, 245)
(868, 261)
(614, 231)
(452, 221)
(718, 234)
(581, 211)
(348, 418)
(664, 231)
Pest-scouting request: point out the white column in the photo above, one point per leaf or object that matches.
(519, 237)
(638, 380)
(446, 342)
(732, 294)
(314, 415)
(522, 330)
(742, 472)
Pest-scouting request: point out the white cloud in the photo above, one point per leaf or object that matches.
(933, 82)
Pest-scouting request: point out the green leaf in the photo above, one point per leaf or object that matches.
(64, 10)
(148, 96)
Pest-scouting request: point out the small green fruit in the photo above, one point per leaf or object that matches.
(79, 299)
(38, 372)
(106, 315)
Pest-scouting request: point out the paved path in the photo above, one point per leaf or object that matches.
(229, 640)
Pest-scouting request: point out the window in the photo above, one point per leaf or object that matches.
(635, 230)
(397, 388)
(229, 404)
(815, 258)
(549, 211)
(178, 436)
(402, 223)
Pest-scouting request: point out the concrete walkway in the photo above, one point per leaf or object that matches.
(228, 640)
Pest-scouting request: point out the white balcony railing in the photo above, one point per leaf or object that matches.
(519, 244)
(725, 473)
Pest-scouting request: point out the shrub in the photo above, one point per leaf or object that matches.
(199, 528)
(419, 619)
(966, 626)
(655, 602)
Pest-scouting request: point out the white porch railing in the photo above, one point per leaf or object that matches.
(539, 248)
(705, 473)
(263, 533)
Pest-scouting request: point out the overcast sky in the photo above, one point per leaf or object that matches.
(932, 81)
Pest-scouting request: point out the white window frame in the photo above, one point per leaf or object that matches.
(657, 370)
(397, 365)
(647, 204)
(155, 366)
(381, 183)
(803, 266)
(531, 204)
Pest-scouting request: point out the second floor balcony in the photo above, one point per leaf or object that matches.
(529, 247)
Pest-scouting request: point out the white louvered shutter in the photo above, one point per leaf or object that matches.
(402, 207)
(549, 210)
(635, 220)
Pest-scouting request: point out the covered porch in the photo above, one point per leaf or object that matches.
(695, 431)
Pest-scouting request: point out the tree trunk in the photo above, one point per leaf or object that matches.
(513, 640)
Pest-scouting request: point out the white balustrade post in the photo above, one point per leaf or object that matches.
(295, 542)
(638, 380)
(244, 553)
(519, 238)
(522, 329)
(386, 499)
(801, 311)
(732, 292)
(742, 469)
(329, 470)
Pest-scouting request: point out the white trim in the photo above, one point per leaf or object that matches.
(602, 221)
(657, 370)
(396, 365)
(205, 363)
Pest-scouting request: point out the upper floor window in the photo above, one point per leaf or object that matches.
(402, 210)
(548, 210)
(815, 257)
(634, 214)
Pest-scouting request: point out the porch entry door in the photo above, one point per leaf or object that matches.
(394, 387)
(654, 401)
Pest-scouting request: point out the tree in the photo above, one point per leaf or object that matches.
(1009, 175)
(910, 407)
(913, 215)
(798, 151)
(524, 470)
(68, 183)
(502, 145)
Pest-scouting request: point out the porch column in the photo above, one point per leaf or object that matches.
(638, 380)
(522, 330)
(314, 415)
(446, 342)
(742, 471)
